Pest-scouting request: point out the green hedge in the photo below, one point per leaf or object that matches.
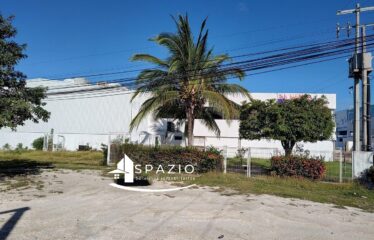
(367, 178)
(38, 143)
(203, 161)
(298, 166)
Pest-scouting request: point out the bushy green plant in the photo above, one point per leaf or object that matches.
(240, 153)
(367, 178)
(203, 161)
(370, 174)
(18, 101)
(7, 147)
(311, 168)
(214, 150)
(38, 143)
(20, 147)
(302, 119)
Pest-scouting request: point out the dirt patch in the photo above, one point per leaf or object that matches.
(82, 205)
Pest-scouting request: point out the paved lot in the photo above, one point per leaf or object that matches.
(74, 205)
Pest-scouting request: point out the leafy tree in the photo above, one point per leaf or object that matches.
(38, 143)
(7, 147)
(290, 121)
(190, 83)
(18, 103)
(20, 147)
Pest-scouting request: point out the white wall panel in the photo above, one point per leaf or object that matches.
(90, 117)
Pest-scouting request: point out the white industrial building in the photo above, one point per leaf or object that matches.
(104, 112)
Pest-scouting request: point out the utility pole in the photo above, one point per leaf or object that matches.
(357, 64)
(368, 112)
(366, 70)
(364, 78)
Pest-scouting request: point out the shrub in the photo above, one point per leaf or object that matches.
(312, 168)
(20, 147)
(367, 178)
(370, 173)
(38, 143)
(203, 161)
(212, 149)
(84, 147)
(241, 153)
(7, 147)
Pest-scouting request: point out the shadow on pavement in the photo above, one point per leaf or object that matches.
(137, 182)
(12, 168)
(9, 225)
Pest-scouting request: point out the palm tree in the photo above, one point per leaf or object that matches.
(189, 84)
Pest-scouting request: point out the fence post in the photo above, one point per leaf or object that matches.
(340, 165)
(45, 142)
(225, 159)
(108, 151)
(249, 163)
(353, 160)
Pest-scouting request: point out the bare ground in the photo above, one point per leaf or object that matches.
(67, 204)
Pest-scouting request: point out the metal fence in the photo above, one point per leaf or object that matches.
(254, 161)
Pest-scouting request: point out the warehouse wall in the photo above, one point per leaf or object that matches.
(95, 116)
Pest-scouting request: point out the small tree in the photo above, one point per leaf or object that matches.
(18, 103)
(20, 147)
(38, 143)
(7, 147)
(187, 80)
(289, 121)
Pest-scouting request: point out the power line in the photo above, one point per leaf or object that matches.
(110, 92)
(130, 84)
(145, 48)
(106, 93)
(272, 42)
(291, 57)
(312, 47)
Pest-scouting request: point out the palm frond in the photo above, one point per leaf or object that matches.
(232, 89)
(207, 117)
(151, 104)
(149, 58)
(191, 74)
(219, 102)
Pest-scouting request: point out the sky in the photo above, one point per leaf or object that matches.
(72, 38)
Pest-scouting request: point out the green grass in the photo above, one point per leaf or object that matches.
(332, 171)
(63, 159)
(259, 162)
(264, 163)
(332, 168)
(344, 194)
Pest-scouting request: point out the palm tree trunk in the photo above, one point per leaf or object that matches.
(190, 126)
